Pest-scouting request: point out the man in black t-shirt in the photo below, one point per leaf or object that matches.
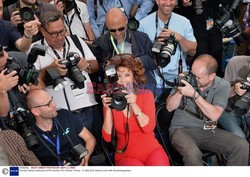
(59, 131)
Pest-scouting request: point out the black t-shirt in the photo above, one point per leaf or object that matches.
(70, 126)
(9, 35)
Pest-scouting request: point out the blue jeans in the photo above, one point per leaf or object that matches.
(231, 123)
(91, 119)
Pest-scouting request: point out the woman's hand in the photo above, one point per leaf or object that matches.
(131, 97)
(106, 101)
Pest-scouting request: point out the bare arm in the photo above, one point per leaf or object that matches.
(173, 101)
(108, 119)
(90, 141)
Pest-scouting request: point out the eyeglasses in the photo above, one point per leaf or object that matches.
(119, 29)
(56, 33)
(49, 104)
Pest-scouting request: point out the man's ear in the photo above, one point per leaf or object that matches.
(34, 111)
(212, 76)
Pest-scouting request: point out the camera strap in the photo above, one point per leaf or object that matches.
(113, 140)
(115, 47)
(157, 24)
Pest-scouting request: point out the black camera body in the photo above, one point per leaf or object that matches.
(242, 105)
(189, 77)
(26, 74)
(76, 155)
(74, 72)
(227, 22)
(68, 5)
(21, 123)
(165, 50)
(114, 90)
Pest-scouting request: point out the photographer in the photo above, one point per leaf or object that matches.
(159, 25)
(203, 15)
(36, 8)
(11, 39)
(76, 18)
(134, 125)
(8, 83)
(72, 59)
(237, 70)
(98, 10)
(197, 110)
(60, 133)
(119, 39)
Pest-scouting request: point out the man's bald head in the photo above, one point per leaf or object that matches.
(35, 97)
(115, 15)
(207, 62)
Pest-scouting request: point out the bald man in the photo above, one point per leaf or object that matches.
(58, 131)
(120, 39)
(194, 128)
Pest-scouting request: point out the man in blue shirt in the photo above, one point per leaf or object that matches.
(158, 26)
(103, 6)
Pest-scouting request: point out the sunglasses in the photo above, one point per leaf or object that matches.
(115, 30)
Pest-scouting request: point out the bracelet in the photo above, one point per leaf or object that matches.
(197, 96)
(27, 37)
(139, 114)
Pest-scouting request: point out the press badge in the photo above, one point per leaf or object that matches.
(210, 125)
(209, 23)
(77, 93)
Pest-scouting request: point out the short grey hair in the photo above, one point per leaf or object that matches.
(51, 16)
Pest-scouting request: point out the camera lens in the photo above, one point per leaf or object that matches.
(119, 102)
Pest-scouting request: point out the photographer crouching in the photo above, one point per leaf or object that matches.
(236, 118)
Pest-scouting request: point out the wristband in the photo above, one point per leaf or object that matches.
(27, 36)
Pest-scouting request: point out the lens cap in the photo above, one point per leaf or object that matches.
(27, 14)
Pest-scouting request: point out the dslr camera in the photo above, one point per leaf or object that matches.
(74, 72)
(165, 50)
(21, 123)
(228, 24)
(114, 90)
(189, 77)
(68, 5)
(26, 74)
(76, 155)
(242, 105)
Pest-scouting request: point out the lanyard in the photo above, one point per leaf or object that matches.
(156, 24)
(69, 22)
(57, 145)
(115, 47)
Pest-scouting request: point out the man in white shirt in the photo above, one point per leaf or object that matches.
(78, 100)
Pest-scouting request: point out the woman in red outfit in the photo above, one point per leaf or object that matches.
(134, 126)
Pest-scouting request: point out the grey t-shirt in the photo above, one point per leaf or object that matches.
(217, 94)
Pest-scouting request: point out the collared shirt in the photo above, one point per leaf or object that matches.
(177, 23)
(77, 98)
(217, 94)
(15, 146)
(97, 23)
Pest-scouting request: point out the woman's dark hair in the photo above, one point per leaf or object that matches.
(132, 63)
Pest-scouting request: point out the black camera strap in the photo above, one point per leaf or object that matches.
(69, 22)
(157, 24)
(113, 135)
